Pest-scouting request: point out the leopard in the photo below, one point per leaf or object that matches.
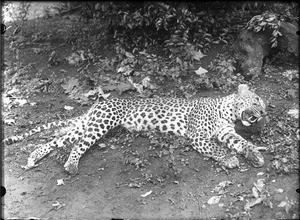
(208, 123)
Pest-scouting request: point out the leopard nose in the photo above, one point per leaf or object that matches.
(263, 112)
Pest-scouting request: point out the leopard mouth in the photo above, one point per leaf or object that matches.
(248, 117)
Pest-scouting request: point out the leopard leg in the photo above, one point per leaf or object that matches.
(44, 150)
(208, 148)
(89, 138)
(93, 132)
(236, 142)
(100, 119)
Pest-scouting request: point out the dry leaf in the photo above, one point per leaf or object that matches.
(198, 55)
(21, 101)
(252, 203)
(282, 204)
(60, 182)
(147, 193)
(214, 200)
(259, 184)
(294, 113)
(102, 145)
(57, 205)
(68, 108)
(292, 92)
(201, 71)
(255, 192)
(279, 190)
(9, 121)
(105, 96)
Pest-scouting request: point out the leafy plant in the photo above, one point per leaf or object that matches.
(224, 72)
(271, 19)
(266, 21)
(291, 74)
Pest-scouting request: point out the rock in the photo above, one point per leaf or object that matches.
(289, 39)
(251, 48)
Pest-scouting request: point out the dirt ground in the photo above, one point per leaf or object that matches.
(102, 189)
(127, 176)
(112, 184)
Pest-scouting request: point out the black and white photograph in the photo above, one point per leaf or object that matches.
(150, 110)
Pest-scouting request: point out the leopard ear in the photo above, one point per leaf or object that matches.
(243, 88)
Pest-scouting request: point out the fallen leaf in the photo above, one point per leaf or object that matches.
(201, 71)
(6, 100)
(288, 204)
(129, 55)
(134, 185)
(92, 92)
(21, 102)
(105, 96)
(259, 184)
(271, 204)
(123, 87)
(9, 121)
(279, 190)
(198, 55)
(70, 84)
(252, 203)
(214, 200)
(113, 147)
(73, 59)
(60, 182)
(57, 205)
(225, 183)
(292, 92)
(220, 187)
(294, 113)
(282, 204)
(255, 192)
(102, 145)
(13, 90)
(68, 108)
(147, 84)
(147, 193)
(260, 173)
(178, 60)
(276, 163)
(125, 70)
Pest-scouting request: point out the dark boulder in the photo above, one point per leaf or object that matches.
(251, 48)
(290, 39)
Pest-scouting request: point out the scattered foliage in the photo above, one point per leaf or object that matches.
(265, 22)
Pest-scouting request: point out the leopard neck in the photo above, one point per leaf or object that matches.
(227, 108)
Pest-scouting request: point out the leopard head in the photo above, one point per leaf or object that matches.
(249, 107)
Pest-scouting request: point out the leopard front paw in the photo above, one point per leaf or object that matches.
(230, 162)
(254, 157)
(71, 168)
